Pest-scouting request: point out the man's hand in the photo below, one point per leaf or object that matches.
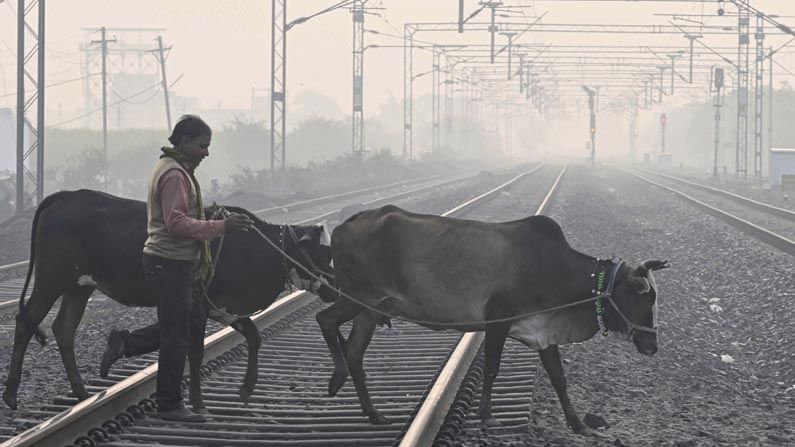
(237, 222)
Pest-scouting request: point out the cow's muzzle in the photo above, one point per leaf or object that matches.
(645, 342)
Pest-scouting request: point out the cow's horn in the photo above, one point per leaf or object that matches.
(655, 264)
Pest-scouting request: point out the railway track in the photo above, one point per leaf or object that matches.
(772, 225)
(290, 403)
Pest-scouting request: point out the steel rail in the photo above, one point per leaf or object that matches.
(71, 424)
(74, 422)
(773, 239)
(774, 210)
(430, 417)
(343, 195)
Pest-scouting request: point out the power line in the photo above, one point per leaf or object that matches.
(109, 105)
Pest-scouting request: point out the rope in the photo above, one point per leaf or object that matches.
(607, 294)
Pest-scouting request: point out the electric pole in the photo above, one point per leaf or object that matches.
(163, 77)
(663, 120)
(718, 102)
(592, 128)
(104, 42)
(25, 58)
(358, 79)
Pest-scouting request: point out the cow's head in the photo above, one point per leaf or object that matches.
(310, 246)
(636, 297)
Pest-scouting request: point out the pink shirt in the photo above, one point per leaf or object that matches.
(174, 187)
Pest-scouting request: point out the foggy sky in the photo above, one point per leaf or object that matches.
(223, 48)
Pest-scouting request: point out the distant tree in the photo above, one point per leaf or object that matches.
(318, 139)
(85, 170)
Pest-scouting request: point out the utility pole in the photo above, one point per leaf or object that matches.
(633, 126)
(493, 27)
(25, 103)
(278, 86)
(673, 71)
(718, 102)
(663, 120)
(104, 43)
(743, 23)
(358, 80)
(510, 36)
(759, 87)
(408, 92)
(770, 105)
(435, 95)
(592, 128)
(165, 81)
(691, 38)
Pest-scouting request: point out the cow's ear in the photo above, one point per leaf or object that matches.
(638, 281)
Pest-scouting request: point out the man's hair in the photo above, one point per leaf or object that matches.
(191, 126)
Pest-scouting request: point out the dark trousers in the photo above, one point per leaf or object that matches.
(181, 321)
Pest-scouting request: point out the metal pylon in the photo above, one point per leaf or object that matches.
(408, 91)
(759, 86)
(278, 85)
(435, 98)
(27, 58)
(358, 78)
(743, 26)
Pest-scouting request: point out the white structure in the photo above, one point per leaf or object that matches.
(8, 140)
(782, 167)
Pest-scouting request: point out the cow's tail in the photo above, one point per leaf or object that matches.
(41, 337)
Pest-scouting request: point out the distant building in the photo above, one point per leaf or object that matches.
(8, 141)
(782, 168)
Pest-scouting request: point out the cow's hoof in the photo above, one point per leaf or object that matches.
(338, 379)
(490, 421)
(10, 400)
(200, 410)
(245, 394)
(578, 427)
(82, 396)
(197, 405)
(378, 419)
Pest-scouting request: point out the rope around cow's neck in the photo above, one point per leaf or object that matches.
(205, 285)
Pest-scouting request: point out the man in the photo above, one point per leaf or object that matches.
(176, 258)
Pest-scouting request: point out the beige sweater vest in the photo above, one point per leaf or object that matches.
(160, 242)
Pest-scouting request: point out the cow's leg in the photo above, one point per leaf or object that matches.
(551, 360)
(198, 325)
(361, 334)
(495, 341)
(330, 320)
(73, 304)
(253, 340)
(41, 300)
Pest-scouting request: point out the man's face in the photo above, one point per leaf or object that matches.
(196, 148)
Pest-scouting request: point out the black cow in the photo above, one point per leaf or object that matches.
(451, 273)
(86, 240)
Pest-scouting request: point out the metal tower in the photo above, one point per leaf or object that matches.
(759, 91)
(358, 78)
(743, 23)
(278, 85)
(132, 65)
(27, 58)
